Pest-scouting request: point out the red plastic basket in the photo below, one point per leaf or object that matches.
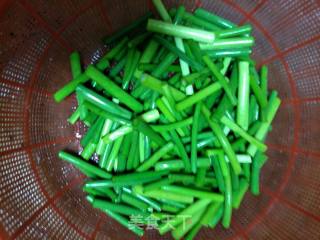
(40, 196)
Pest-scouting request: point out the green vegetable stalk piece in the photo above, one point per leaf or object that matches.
(258, 162)
(221, 79)
(127, 68)
(234, 32)
(162, 10)
(243, 96)
(160, 194)
(100, 184)
(223, 140)
(122, 54)
(234, 181)
(229, 53)
(91, 132)
(114, 89)
(226, 63)
(119, 218)
(144, 128)
(79, 163)
(133, 152)
(106, 193)
(257, 91)
(228, 43)
(193, 76)
(238, 195)
(181, 150)
(194, 138)
(126, 30)
(179, 42)
(70, 87)
(226, 220)
(117, 68)
(180, 31)
(150, 116)
(132, 68)
(206, 142)
(170, 103)
(135, 178)
(150, 67)
(116, 207)
(186, 226)
(173, 126)
(149, 52)
(124, 152)
(165, 110)
(83, 78)
(104, 61)
(199, 22)
(247, 170)
(190, 179)
(239, 144)
(102, 102)
(216, 218)
(200, 177)
(179, 205)
(153, 204)
(189, 211)
(83, 111)
(169, 209)
(187, 191)
(147, 117)
(234, 127)
(107, 150)
(210, 17)
(172, 48)
(133, 201)
(225, 104)
(254, 112)
(114, 153)
(198, 96)
(243, 158)
(161, 53)
(195, 49)
(75, 115)
(211, 210)
(104, 114)
(218, 172)
(264, 127)
(120, 132)
(147, 147)
(106, 128)
(139, 39)
(157, 184)
(184, 65)
(147, 164)
(156, 85)
(164, 65)
(177, 165)
(90, 118)
(90, 148)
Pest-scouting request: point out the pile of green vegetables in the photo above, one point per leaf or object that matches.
(177, 115)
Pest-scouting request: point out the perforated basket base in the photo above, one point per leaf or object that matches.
(40, 195)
